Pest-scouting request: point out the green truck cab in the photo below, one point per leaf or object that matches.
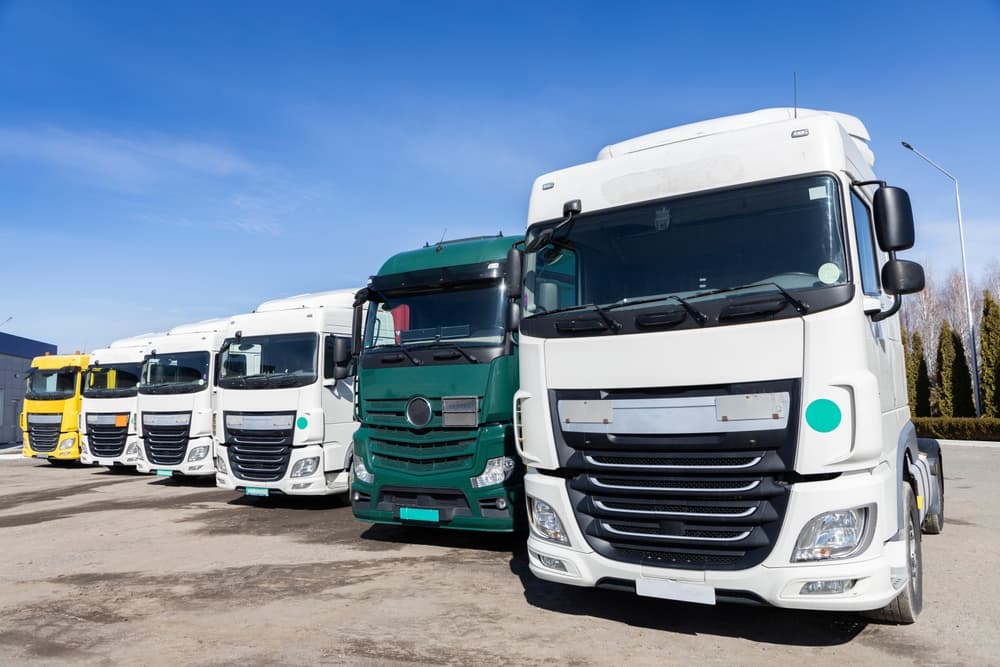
(436, 375)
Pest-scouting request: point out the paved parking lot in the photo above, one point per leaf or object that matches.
(104, 568)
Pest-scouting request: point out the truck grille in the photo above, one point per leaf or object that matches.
(685, 501)
(106, 441)
(43, 437)
(429, 453)
(259, 455)
(165, 445)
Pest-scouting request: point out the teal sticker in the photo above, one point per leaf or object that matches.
(302, 422)
(823, 415)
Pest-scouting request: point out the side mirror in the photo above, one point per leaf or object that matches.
(900, 276)
(514, 316)
(893, 219)
(357, 324)
(515, 279)
(339, 358)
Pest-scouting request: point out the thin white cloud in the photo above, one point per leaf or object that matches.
(120, 161)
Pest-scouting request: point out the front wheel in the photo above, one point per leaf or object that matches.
(907, 605)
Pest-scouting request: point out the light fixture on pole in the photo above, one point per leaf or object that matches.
(965, 276)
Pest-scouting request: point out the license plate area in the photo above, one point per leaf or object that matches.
(419, 514)
(164, 473)
(681, 591)
(257, 491)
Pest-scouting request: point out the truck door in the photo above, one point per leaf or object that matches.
(338, 410)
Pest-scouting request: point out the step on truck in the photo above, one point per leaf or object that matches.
(175, 401)
(108, 419)
(285, 401)
(713, 403)
(50, 419)
(437, 371)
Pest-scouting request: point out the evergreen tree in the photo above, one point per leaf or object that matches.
(921, 404)
(945, 369)
(963, 403)
(910, 362)
(989, 344)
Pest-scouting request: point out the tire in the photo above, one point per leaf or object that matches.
(906, 607)
(934, 523)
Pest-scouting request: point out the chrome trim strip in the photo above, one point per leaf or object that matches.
(591, 460)
(740, 515)
(752, 485)
(736, 538)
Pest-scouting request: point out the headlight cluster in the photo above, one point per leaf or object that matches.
(833, 535)
(496, 471)
(361, 472)
(546, 522)
(305, 467)
(198, 453)
(220, 464)
(67, 443)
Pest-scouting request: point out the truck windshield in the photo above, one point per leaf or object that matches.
(466, 315)
(786, 234)
(268, 362)
(174, 373)
(51, 384)
(112, 380)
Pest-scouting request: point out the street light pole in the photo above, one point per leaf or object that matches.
(965, 276)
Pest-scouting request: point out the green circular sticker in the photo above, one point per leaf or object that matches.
(302, 422)
(823, 415)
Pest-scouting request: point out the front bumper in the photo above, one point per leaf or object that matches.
(71, 454)
(879, 571)
(200, 468)
(320, 483)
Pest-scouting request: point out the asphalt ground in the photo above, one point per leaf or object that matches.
(105, 568)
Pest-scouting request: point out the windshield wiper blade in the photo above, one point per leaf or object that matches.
(612, 324)
(451, 346)
(800, 306)
(404, 351)
(695, 314)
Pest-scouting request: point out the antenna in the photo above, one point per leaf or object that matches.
(443, 234)
(6, 320)
(795, 93)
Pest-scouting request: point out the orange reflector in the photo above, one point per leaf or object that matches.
(121, 420)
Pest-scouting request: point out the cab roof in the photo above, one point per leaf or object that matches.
(475, 250)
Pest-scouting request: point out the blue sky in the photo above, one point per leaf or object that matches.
(163, 164)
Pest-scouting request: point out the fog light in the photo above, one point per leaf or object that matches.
(305, 467)
(495, 472)
(832, 535)
(361, 472)
(501, 503)
(67, 443)
(198, 453)
(355, 497)
(220, 464)
(546, 522)
(829, 587)
(301, 485)
(552, 563)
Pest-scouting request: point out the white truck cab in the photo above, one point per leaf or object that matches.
(176, 400)
(108, 423)
(285, 404)
(712, 400)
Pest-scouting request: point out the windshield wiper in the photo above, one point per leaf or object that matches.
(695, 314)
(451, 346)
(800, 306)
(612, 324)
(395, 358)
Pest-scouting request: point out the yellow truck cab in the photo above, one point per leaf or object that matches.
(51, 416)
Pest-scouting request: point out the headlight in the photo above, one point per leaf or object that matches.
(132, 450)
(832, 535)
(220, 465)
(361, 472)
(198, 453)
(305, 467)
(138, 453)
(496, 472)
(67, 443)
(546, 522)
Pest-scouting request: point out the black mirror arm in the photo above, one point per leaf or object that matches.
(897, 301)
